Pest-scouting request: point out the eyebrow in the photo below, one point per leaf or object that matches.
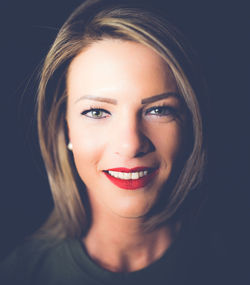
(143, 101)
(159, 97)
(97, 98)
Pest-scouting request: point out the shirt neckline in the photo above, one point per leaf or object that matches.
(89, 267)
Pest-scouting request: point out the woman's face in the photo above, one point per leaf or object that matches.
(124, 122)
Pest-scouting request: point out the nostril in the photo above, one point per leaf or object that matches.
(140, 154)
(147, 148)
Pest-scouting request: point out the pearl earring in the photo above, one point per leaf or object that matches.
(70, 147)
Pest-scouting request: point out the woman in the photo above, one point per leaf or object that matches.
(121, 132)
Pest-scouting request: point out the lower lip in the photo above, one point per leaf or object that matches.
(132, 184)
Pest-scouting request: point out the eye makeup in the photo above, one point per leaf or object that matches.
(161, 111)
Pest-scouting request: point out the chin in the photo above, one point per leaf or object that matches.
(132, 211)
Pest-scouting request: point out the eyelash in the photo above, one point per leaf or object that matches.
(92, 109)
(170, 111)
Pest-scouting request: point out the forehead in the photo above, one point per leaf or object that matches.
(111, 64)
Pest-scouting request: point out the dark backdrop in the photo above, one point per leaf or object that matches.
(220, 34)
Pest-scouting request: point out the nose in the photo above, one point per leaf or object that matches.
(130, 140)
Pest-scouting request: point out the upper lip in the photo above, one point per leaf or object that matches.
(134, 169)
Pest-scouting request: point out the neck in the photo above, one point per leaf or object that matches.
(121, 245)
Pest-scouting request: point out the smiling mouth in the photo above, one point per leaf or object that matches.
(131, 179)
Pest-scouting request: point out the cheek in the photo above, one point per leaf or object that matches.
(168, 141)
(88, 148)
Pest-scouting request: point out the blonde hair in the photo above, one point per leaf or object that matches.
(93, 21)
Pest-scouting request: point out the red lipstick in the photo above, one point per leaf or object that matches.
(132, 184)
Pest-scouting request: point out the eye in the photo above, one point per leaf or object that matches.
(96, 113)
(161, 111)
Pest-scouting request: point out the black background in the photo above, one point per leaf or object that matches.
(219, 31)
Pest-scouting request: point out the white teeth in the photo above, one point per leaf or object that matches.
(128, 175)
(141, 173)
(114, 173)
(134, 175)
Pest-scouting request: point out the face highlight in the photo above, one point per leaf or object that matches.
(124, 119)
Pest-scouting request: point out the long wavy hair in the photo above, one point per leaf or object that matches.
(93, 21)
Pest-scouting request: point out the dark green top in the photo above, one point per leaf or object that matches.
(190, 260)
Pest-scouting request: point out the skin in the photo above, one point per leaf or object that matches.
(126, 133)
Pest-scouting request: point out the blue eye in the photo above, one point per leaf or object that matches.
(161, 111)
(96, 113)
